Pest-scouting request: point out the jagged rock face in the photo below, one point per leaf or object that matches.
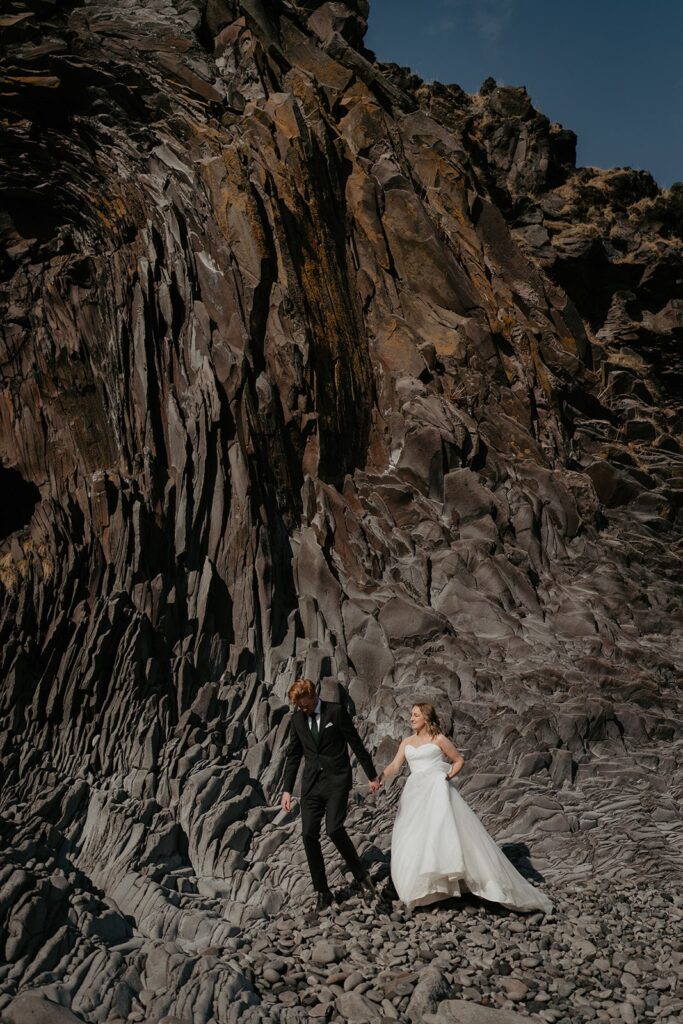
(308, 366)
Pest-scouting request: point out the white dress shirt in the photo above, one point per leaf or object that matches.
(318, 709)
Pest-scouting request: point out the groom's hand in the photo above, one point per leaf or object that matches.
(374, 785)
(286, 802)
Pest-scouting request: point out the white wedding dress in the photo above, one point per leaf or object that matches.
(439, 848)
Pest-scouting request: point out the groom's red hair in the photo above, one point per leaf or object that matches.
(301, 688)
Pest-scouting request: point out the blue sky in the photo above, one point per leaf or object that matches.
(611, 70)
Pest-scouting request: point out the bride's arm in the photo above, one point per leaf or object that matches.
(452, 754)
(394, 766)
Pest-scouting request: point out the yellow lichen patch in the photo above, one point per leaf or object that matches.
(42, 81)
(504, 324)
(46, 561)
(9, 576)
(482, 285)
(110, 212)
(458, 214)
(205, 132)
(568, 343)
(14, 570)
(449, 345)
(516, 409)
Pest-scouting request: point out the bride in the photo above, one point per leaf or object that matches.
(439, 848)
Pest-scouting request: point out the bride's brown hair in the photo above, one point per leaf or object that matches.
(431, 718)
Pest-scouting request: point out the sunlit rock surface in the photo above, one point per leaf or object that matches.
(308, 366)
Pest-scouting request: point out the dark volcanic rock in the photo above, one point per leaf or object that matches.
(307, 366)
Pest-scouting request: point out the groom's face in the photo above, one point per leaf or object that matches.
(306, 704)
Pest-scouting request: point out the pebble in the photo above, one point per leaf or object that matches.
(514, 988)
(326, 953)
(352, 981)
(337, 977)
(356, 1009)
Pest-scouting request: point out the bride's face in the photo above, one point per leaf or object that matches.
(417, 719)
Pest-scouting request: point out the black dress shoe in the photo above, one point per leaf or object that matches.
(368, 888)
(324, 901)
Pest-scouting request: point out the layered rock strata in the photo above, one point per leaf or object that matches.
(308, 366)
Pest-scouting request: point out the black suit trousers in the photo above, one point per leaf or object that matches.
(327, 800)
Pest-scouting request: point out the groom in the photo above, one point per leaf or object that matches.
(320, 733)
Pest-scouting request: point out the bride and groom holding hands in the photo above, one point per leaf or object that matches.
(439, 848)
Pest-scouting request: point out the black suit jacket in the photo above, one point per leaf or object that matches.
(329, 758)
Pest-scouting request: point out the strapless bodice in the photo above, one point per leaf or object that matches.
(426, 758)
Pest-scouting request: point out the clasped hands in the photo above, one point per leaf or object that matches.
(374, 785)
(286, 800)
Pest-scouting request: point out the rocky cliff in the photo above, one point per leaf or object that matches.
(308, 366)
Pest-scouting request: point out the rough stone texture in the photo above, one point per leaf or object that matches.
(431, 988)
(309, 366)
(458, 1011)
(32, 1008)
